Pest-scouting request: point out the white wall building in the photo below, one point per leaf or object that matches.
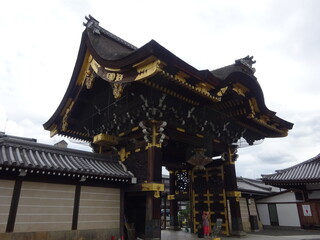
(280, 209)
(299, 207)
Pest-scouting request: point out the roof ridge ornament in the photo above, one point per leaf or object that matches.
(246, 62)
(93, 24)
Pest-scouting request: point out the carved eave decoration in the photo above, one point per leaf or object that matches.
(240, 103)
(143, 71)
(119, 78)
(237, 97)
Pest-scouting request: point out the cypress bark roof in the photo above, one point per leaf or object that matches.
(108, 67)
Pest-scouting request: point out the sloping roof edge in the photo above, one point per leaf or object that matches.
(152, 48)
(304, 172)
(36, 157)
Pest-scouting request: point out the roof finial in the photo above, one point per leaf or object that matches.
(93, 24)
(247, 62)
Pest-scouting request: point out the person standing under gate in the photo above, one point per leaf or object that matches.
(206, 224)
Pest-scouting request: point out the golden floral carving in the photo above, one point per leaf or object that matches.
(117, 90)
(89, 78)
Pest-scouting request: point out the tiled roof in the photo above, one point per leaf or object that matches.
(30, 157)
(305, 172)
(253, 186)
(246, 186)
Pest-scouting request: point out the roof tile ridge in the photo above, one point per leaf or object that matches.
(268, 175)
(93, 24)
(221, 68)
(316, 158)
(256, 185)
(35, 146)
(245, 64)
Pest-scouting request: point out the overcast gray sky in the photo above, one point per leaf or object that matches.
(40, 40)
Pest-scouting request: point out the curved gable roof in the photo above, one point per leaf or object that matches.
(105, 55)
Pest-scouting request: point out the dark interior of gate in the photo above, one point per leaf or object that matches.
(155, 110)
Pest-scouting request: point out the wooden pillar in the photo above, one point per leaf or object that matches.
(232, 192)
(154, 175)
(121, 228)
(173, 203)
(165, 211)
(76, 205)
(14, 206)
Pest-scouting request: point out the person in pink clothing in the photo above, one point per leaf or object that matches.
(205, 224)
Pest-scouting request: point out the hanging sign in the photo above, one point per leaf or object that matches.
(306, 210)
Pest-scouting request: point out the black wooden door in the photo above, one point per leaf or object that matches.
(273, 214)
(208, 194)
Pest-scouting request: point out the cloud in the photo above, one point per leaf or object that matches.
(29, 129)
(302, 144)
(41, 39)
(3, 118)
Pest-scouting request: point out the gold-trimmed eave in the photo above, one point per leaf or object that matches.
(240, 89)
(53, 130)
(64, 127)
(253, 104)
(152, 66)
(64, 114)
(106, 73)
(142, 70)
(146, 69)
(281, 132)
(117, 77)
(90, 66)
(66, 110)
(170, 92)
(84, 71)
(202, 88)
(262, 121)
(77, 134)
(69, 133)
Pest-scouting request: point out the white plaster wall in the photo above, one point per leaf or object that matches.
(282, 197)
(44, 207)
(288, 215)
(314, 195)
(99, 208)
(263, 214)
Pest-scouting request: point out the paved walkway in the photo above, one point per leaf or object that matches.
(268, 234)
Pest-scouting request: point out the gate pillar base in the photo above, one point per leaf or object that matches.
(237, 228)
(174, 224)
(152, 229)
(238, 233)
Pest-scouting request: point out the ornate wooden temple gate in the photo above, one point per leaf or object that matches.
(156, 110)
